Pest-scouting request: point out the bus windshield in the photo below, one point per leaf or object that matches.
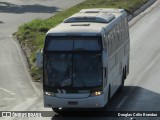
(73, 69)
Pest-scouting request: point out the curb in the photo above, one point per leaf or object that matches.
(141, 9)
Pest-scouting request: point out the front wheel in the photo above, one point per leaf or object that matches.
(57, 110)
(107, 104)
(122, 83)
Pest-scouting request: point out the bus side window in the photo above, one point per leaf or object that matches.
(106, 40)
(105, 76)
(122, 29)
(118, 34)
(126, 27)
(115, 39)
(113, 44)
(105, 72)
(109, 44)
(125, 31)
(111, 41)
(108, 48)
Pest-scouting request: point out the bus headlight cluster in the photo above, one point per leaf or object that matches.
(96, 93)
(49, 93)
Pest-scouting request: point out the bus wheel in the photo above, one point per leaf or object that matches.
(125, 73)
(103, 109)
(108, 95)
(56, 110)
(122, 82)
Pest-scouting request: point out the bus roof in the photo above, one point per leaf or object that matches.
(88, 22)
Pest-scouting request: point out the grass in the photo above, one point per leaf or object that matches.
(31, 35)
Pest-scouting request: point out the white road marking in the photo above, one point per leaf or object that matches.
(20, 7)
(9, 98)
(122, 101)
(5, 90)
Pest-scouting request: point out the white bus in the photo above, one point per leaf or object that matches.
(86, 59)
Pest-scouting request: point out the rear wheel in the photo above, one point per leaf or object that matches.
(122, 82)
(109, 95)
(125, 73)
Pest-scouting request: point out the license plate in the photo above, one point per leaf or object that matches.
(72, 102)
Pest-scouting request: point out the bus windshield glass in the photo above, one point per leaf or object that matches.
(73, 70)
(73, 62)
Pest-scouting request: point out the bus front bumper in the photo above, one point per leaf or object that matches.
(89, 102)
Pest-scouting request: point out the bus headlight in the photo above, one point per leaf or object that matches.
(96, 93)
(49, 93)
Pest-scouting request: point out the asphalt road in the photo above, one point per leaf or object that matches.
(17, 92)
(141, 92)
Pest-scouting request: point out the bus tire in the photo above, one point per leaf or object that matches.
(122, 82)
(56, 110)
(103, 109)
(108, 98)
(109, 95)
(125, 73)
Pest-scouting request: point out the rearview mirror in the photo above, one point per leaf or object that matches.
(39, 58)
